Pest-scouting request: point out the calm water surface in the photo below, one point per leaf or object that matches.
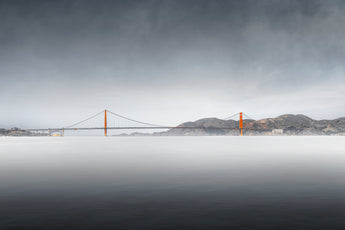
(172, 183)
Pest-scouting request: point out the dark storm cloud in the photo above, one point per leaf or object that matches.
(197, 49)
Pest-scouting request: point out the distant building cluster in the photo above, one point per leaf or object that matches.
(15, 131)
(276, 132)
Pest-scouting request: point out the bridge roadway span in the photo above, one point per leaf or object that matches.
(161, 127)
(241, 127)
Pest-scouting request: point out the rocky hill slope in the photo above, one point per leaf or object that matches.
(287, 124)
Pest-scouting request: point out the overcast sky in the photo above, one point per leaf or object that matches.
(167, 61)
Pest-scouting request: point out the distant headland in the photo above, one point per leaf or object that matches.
(284, 125)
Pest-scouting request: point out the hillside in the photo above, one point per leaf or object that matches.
(288, 124)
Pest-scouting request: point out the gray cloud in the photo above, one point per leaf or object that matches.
(169, 61)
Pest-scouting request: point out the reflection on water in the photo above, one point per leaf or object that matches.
(172, 183)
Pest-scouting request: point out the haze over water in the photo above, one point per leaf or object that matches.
(172, 182)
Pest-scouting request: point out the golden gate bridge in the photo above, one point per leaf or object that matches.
(144, 125)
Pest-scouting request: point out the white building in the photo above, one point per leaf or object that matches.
(277, 131)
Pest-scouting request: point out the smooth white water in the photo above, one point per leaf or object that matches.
(234, 181)
(129, 159)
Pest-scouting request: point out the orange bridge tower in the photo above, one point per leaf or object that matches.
(241, 123)
(105, 122)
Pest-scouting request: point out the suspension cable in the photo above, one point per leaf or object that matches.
(249, 116)
(144, 123)
(231, 116)
(77, 123)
